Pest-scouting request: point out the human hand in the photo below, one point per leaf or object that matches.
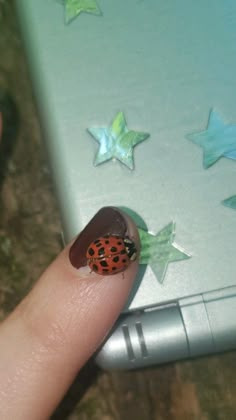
(59, 325)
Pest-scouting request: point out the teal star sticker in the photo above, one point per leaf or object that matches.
(158, 250)
(117, 142)
(73, 8)
(230, 202)
(218, 140)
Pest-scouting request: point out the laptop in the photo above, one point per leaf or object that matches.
(167, 70)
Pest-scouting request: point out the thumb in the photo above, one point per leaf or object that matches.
(63, 320)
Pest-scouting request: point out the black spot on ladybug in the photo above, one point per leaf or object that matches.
(114, 268)
(91, 252)
(95, 267)
(116, 259)
(98, 244)
(105, 270)
(119, 243)
(103, 263)
(124, 260)
(107, 242)
(123, 251)
(113, 249)
(101, 251)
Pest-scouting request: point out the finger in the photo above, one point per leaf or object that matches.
(60, 324)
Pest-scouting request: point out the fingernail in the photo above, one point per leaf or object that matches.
(108, 221)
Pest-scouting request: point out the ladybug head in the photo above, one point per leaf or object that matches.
(130, 248)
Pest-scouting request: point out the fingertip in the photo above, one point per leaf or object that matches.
(107, 222)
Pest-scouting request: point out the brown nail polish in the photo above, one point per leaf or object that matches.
(108, 221)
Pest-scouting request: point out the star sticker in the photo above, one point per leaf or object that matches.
(73, 8)
(159, 250)
(117, 142)
(218, 140)
(230, 202)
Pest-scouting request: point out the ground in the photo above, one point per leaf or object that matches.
(202, 389)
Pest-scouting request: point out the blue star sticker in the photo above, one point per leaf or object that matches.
(230, 202)
(218, 140)
(159, 250)
(117, 142)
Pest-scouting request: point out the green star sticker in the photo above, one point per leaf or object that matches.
(230, 202)
(158, 250)
(117, 142)
(73, 8)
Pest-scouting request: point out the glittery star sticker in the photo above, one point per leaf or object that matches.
(73, 8)
(159, 250)
(218, 140)
(117, 142)
(230, 202)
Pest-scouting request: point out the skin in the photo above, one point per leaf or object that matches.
(53, 332)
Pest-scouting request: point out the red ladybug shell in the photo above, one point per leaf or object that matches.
(110, 254)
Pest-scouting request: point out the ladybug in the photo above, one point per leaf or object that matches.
(110, 254)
